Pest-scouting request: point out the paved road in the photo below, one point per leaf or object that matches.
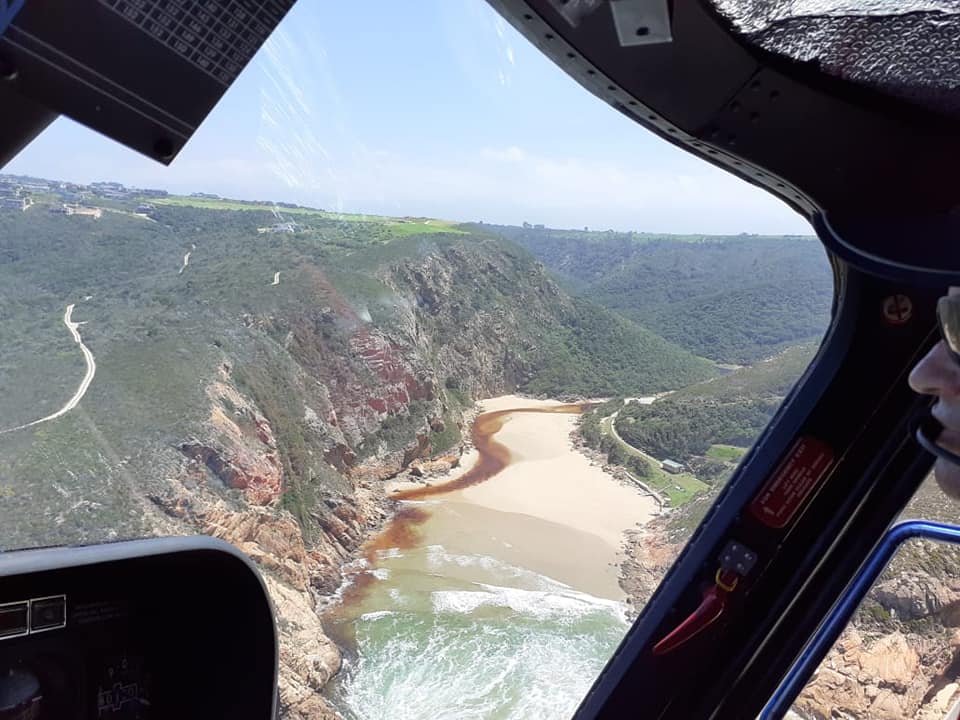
(616, 435)
(637, 481)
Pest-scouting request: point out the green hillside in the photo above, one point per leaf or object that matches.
(729, 411)
(354, 338)
(733, 299)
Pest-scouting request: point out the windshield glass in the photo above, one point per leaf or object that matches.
(455, 352)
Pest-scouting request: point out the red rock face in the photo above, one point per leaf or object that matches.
(260, 477)
(398, 382)
(366, 381)
(340, 456)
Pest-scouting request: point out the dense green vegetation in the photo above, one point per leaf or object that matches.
(677, 489)
(595, 353)
(593, 433)
(706, 426)
(730, 410)
(733, 299)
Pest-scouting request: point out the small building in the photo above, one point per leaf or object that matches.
(280, 227)
(672, 466)
(38, 186)
(94, 212)
(110, 189)
(14, 203)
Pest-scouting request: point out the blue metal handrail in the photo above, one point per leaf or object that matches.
(828, 632)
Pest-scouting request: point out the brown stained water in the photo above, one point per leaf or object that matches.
(493, 456)
(402, 531)
(450, 616)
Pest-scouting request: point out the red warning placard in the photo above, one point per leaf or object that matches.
(791, 484)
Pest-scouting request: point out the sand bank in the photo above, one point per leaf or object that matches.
(549, 509)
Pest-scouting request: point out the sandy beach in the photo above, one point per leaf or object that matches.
(551, 480)
(497, 593)
(550, 509)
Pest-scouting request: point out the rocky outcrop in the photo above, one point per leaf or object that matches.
(443, 302)
(886, 677)
(243, 453)
(297, 575)
(440, 465)
(899, 658)
(647, 557)
(914, 595)
(230, 486)
(875, 679)
(274, 542)
(400, 385)
(387, 465)
(308, 658)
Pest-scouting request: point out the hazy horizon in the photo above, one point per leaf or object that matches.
(437, 110)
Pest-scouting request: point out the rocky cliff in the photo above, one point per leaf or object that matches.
(367, 402)
(898, 658)
(268, 414)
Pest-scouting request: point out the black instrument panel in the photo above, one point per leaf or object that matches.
(164, 628)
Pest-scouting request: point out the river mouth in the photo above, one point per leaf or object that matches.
(492, 595)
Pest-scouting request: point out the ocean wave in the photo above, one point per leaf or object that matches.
(438, 558)
(377, 614)
(389, 554)
(459, 667)
(354, 566)
(540, 604)
(349, 572)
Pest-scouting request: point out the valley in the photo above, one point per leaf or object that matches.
(271, 414)
(734, 299)
(416, 428)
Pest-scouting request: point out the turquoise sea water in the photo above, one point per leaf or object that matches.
(450, 634)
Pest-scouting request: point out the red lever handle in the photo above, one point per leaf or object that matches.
(710, 609)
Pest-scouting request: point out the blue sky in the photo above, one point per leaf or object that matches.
(436, 108)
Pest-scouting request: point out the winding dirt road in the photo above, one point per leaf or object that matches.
(72, 326)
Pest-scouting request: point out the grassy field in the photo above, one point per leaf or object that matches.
(400, 227)
(679, 488)
(726, 453)
(225, 204)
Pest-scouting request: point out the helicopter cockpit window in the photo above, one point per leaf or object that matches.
(460, 372)
(903, 49)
